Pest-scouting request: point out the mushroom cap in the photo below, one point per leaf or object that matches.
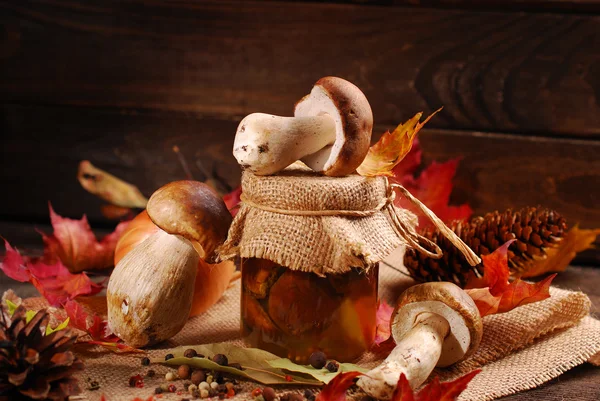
(353, 117)
(194, 211)
(449, 301)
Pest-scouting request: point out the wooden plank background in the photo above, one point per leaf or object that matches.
(120, 83)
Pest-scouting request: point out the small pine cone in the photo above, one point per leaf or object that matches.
(534, 229)
(34, 365)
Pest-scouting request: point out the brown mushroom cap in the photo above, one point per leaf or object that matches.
(192, 210)
(452, 303)
(353, 117)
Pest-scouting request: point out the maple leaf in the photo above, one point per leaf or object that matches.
(384, 314)
(433, 187)
(232, 200)
(434, 391)
(493, 293)
(392, 148)
(108, 187)
(336, 389)
(53, 281)
(91, 323)
(558, 257)
(76, 246)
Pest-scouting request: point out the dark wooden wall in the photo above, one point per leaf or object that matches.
(119, 83)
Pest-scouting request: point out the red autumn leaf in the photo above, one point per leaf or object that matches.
(74, 243)
(384, 314)
(336, 389)
(493, 293)
(433, 187)
(434, 391)
(91, 323)
(53, 281)
(232, 200)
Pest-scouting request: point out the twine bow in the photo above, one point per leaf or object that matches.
(404, 230)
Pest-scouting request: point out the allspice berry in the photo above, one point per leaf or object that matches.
(318, 360)
(184, 372)
(268, 393)
(220, 359)
(198, 376)
(190, 353)
(332, 366)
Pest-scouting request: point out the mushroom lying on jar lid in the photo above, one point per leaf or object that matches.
(330, 132)
(151, 289)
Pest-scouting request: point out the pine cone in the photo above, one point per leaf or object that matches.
(535, 230)
(34, 365)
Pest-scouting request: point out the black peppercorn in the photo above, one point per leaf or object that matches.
(150, 373)
(218, 377)
(158, 390)
(169, 356)
(190, 353)
(145, 361)
(220, 359)
(332, 366)
(317, 360)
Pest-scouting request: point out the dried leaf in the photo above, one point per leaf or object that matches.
(12, 307)
(433, 187)
(392, 148)
(336, 389)
(90, 323)
(232, 200)
(53, 281)
(254, 363)
(75, 245)
(322, 375)
(110, 188)
(403, 391)
(559, 257)
(62, 326)
(384, 314)
(117, 347)
(493, 293)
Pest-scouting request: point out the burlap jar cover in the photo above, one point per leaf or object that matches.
(326, 225)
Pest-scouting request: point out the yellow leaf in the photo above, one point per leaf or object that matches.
(29, 315)
(392, 148)
(12, 307)
(62, 326)
(109, 187)
(558, 258)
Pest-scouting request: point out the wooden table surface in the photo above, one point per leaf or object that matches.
(580, 383)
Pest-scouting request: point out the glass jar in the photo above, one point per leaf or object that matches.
(293, 313)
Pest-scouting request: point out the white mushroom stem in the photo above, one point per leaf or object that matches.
(151, 289)
(415, 355)
(266, 144)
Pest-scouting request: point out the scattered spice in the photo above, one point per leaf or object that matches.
(268, 393)
(230, 393)
(288, 378)
(317, 360)
(225, 387)
(332, 366)
(190, 353)
(170, 376)
(309, 395)
(92, 384)
(259, 398)
(203, 393)
(218, 377)
(256, 392)
(158, 390)
(212, 392)
(184, 372)
(198, 376)
(220, 359)
(169, 356)
(150, 373)
(204, 386)
(145, 361)
(172, 388)
(196, 393)
(136, 381)
(209, 379)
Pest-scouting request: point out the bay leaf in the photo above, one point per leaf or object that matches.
(320, 374)
(254, 362)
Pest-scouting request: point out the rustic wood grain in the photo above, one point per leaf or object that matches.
(493, 71)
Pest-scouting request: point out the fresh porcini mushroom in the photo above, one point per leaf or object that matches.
(330, 132)
(433, 324)
(151, 289)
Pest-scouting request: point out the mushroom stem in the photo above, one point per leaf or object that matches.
(154, 301)
(416, 355)
(266, 144)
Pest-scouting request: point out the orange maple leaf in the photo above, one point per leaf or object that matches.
(392, 148)
(336, 389)
(493, 293)
(76, 246)
(434, 391)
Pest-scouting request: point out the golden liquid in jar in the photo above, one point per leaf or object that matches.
(292, 313)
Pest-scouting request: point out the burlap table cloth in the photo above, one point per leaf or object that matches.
(520, 349)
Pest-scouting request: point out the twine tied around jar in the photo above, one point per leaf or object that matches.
(403, 230)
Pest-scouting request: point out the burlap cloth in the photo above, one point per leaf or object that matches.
(520, 349)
